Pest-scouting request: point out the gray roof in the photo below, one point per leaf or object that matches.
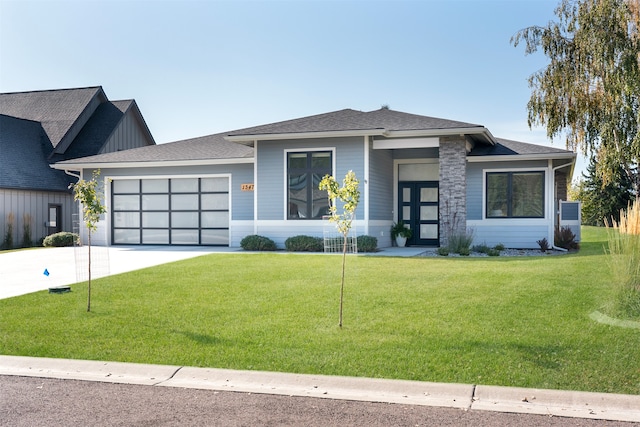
(350, 120)
(214, 147)
(202, 148)
(24, 165)
(42, 127)
(57, 110)
(507, 147)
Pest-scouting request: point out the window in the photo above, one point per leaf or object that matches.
(515, 195)
(304, 173)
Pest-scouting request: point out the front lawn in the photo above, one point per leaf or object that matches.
(509, 321)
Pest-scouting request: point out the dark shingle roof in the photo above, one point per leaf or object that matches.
(349, 120)
(506, 147)
(57, 110)
(201, 148)
(24, 148)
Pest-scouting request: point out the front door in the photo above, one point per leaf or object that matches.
(54, 225)
(418, 209)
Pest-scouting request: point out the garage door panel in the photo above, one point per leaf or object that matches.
(178, 211)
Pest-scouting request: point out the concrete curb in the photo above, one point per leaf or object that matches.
(615, 407)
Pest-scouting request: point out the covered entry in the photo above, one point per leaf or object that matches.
(418, 200)
(170, 211)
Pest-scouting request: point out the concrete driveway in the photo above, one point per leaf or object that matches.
(23, 272)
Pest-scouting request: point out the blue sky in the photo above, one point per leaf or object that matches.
(202, 67)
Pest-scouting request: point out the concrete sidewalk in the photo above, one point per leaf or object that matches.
(600, 406)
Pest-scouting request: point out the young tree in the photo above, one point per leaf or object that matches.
(590, 90)
(349, 195)
(87, 193)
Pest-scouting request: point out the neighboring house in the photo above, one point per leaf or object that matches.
(40, 128)
(438, 176)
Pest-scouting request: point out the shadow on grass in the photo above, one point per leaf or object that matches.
(202, 338)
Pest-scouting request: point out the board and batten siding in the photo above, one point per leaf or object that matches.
(511, 232)
(128, 134)
(36, 204)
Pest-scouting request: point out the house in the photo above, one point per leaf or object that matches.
(40, 128)
(441, 177)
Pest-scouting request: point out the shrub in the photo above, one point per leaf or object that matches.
(443, 251)
(304, 244)
(254, 242)
(460, 243)
(493, 252)
(7, 243)
(564, 238)
(483, 248)
(499, 247)
(26, 231)
(367, 243)
(544, 244)
(64, 238)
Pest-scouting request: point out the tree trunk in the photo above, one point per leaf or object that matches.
(89, 289)
(344, 259)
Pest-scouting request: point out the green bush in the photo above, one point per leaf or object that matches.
(64, 238)
(443, 251)
(367, 243)
(257, 243)
(499, 247)
(483, 248)
(304, 244)
(493, 252)
(460, 243)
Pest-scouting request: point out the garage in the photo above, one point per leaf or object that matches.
(170, 211)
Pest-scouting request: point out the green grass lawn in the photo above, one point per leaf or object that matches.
(508, 321)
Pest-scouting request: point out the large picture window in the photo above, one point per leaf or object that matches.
(515, 194)
(304, 173)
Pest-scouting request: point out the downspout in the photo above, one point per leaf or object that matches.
(553, 179)
(68, 172)
(366, 185)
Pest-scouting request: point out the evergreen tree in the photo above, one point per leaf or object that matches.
(600, 200)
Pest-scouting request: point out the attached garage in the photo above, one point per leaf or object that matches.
(170, 211)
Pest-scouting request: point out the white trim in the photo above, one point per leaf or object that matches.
(255, 187)
(520, 157)
(154, 164)
(398, 143)
(396, 163)
(304, 135)
(286, 152)
(513, 221)
(476, 130)
(366, 184)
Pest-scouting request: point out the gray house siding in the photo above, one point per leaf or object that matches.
(475, 182)
(271, 180)
(36, 204)
(513, 233)
(381, 185)
(127, 135)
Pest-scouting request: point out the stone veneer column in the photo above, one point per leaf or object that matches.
(453, 187)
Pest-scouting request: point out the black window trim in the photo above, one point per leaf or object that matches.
(510, 174)
(309, 151)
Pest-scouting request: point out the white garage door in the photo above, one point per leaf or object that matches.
(170, 211)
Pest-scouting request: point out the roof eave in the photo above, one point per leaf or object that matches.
(250, 138)
(512, 157)
(150, 164)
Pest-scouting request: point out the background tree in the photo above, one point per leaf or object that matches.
(349, 195)
(590, 90)
(600, 200)
(87, 193)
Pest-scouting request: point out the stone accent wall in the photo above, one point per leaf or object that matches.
(453, 187)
